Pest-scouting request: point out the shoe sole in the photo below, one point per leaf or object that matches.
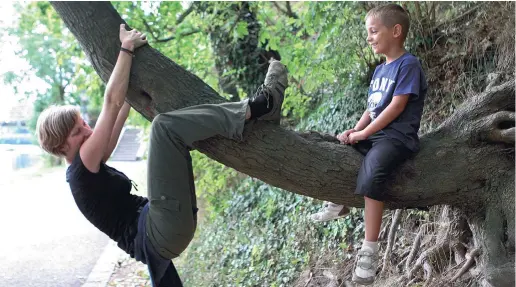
(329, 219)
(362, 281)
(341, 214)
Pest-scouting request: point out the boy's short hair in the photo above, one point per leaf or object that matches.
(390, 15)
(53, 127)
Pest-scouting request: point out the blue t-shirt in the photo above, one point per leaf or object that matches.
(403, 76)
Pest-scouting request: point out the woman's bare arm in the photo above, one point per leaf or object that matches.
(95, 147)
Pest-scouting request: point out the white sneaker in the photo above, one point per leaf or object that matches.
(365, 266)
(330, 211)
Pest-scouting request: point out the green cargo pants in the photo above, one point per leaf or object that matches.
(172, 218)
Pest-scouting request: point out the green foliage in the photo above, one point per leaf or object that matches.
(263, 237)
(337, 112)
(178, 41)
(56, 58)
(211, 180)
(324, 49)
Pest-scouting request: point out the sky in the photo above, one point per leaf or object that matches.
(10, 62)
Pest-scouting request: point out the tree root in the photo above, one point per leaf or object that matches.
(428, 282)
(309, 279)
(429, 272)
(401, 264)
(493, 79)
(459, 252)
(386, 223)
(499, 128)
(412, 282)
(469, 263)
(433, 257)
(499, 96)
(423, 230)
(390, 241)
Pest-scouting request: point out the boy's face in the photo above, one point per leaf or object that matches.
(381, 38)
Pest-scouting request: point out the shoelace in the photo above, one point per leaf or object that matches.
(263, 89)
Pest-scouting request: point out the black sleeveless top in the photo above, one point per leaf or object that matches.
(104, 198)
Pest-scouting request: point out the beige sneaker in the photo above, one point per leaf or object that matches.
(365, 266)
(329, 212)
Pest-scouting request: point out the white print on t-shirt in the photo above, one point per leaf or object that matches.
(378, 86)
(383, 86)
(372, 102)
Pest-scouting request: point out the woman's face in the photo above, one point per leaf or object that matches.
(80, 133)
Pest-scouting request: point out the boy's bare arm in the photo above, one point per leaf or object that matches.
(393, 110)
(363, 122)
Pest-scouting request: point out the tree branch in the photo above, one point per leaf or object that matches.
(290, 13)
(321, 169)
(461, 16)
(149, 29)
(279, 7)
(507, 136)
(288, 10)
(179, 20)
(185, 14)
(499, 97)
(186, 34)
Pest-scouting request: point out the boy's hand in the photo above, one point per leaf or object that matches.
(131, 39)
(355, 137)
(343, 137)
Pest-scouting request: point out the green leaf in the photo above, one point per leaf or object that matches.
(241, 30)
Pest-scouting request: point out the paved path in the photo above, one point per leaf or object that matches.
(44, 239)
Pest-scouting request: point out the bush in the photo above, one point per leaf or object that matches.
(263, 238)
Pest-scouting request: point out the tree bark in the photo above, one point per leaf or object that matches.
(467, 162)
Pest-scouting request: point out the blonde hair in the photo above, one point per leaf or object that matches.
(390, 15)
(53, 127)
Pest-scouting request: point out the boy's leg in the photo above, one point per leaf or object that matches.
(373, 218)
(330, 210)
(171, 221)
(379, 163)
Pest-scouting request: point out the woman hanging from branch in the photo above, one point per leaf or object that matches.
(157, 228)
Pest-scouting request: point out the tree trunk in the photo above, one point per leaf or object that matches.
(245, 55)
(467, 162)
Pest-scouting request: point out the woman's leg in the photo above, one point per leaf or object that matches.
(172, 216)
(172, 219)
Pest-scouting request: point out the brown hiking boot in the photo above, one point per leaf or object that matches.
(273, 89)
